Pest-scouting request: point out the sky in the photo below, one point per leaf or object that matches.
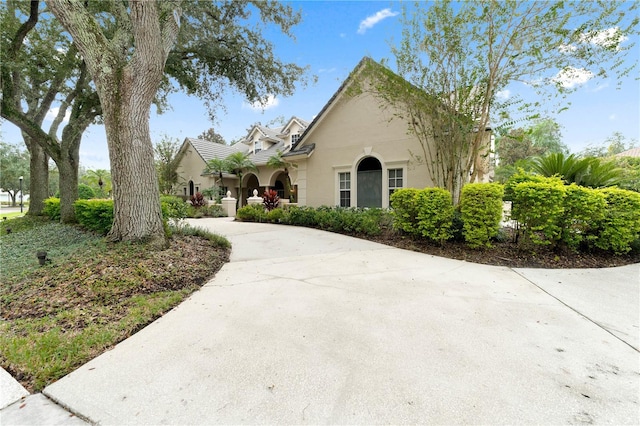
(332, 38)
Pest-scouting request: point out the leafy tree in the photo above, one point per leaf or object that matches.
(211, 135)
(237, 163)
(217, 166)
(13, 164)
(168, 157)
(462, 54)
(614, 144)
(37, 74)
(203, 46)
(99, 181)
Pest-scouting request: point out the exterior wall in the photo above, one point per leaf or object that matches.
(191, 168)
(353, 129)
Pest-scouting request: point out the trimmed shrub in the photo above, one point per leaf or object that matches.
(538, 206)
(275, 215)
(481, 212)
(95, 215)
(434, 213)
(215, 210)
(173, 207)
(302, 216)
(52, 208)
(197, 200)
(405, 209)
(583, 208)
(620, 226)
(85, 192)
(252, 213)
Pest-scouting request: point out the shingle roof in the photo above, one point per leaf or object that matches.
(633, 152)
(209, 150)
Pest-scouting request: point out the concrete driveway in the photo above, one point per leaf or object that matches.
(308, 327)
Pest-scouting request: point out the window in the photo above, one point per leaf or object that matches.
(258, 147)
(345, 189)
(294, 139)
(395, 180)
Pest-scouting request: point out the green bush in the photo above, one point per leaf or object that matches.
(252, 213)
(95, 215)
(215, 210)
(481, 212)
(520, 177)
(173, 207)
(302, 216)
(52, 208)
(405, 209)
(538, 206)
(435, 214)
(583, 208)
(275, 215)
(85, 192)
(620, 227)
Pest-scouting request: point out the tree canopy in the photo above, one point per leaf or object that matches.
(463, 54)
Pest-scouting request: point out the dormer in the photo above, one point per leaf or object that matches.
(292, 131)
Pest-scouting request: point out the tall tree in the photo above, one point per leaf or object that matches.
(13, 164)
(214, 46)
(462, 54)
(544, 137)
(211, 135)
(41, 68)
(167, 157)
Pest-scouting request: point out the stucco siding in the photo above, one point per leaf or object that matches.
(353, 129)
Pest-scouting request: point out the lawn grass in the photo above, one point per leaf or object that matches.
(91, 295)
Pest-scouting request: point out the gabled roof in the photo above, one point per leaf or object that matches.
(209, 150)
(633, 152)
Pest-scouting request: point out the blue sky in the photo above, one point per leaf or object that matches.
(332, 38)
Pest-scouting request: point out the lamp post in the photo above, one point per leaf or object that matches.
(21, 193)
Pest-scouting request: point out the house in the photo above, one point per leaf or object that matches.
(260, 144)
(355, 152)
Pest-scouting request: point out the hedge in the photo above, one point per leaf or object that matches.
(95, 215)
(583, 208)
(481, 212)
(620, 226)
(538, 207)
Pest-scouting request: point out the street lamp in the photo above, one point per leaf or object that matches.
(20, 192)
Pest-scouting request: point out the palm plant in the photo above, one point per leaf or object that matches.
(237, 163)
(588, 171)
(277, 162)
(217, 166)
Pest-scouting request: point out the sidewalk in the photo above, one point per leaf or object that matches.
(304, 326)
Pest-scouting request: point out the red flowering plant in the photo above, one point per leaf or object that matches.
(270, 199)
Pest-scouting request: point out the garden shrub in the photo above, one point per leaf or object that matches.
(481, 212)
(85, 192)
(275, 215)
(270, 199)
(302, 216)
(197, 200)
(173, 207)
(215, 210)
(434, 213)
(538, 206)
(405, 209)
(583, 208)
(52, 208)
(252, 213)
(95, 215)
(520, 177)
(620, 227)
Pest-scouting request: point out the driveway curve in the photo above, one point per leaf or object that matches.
(308, 327)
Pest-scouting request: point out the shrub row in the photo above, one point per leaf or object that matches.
(334, 219)
(97, 214)
(550, 212)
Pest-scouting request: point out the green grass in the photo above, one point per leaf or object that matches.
(91, 296)
(12, 215)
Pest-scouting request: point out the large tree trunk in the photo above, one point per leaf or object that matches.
(68, 166)
(39, 176)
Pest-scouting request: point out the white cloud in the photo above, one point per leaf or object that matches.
(571, 77)
(372, 20)
(611, 37)
(503, 94)
(269, 102)
(53, 113)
